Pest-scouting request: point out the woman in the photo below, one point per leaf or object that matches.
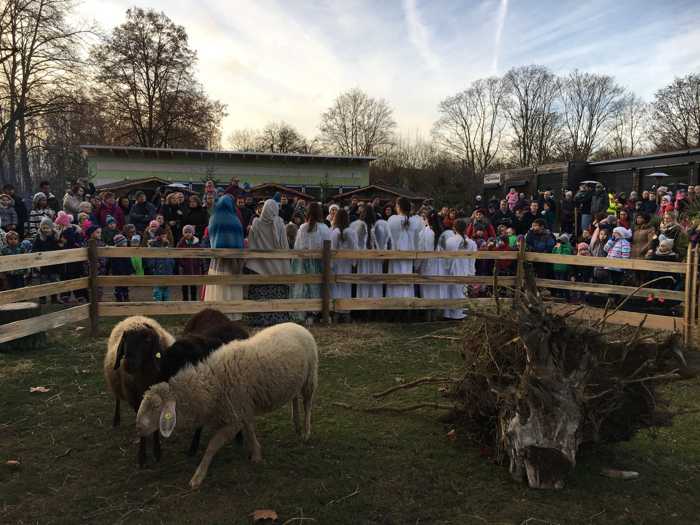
(388, 212)
(623, 219)
(310, 236)
(196, 215)
(125, 205)
(332, 210)
(428, 242)
(449, 221)
(342, 238)
(643, 236)
(670, 229)
(458, 267)
(367, 240)
(174, 215)
(225, 231)
(268, 233)
(209, 200)
(404, 229)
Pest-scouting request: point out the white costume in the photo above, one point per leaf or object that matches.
(432, 266)
(343, 266)
(404, 236)
(312, 240)
(444, 263)
(458, 267)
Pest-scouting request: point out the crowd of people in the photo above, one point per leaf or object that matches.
(592, 222)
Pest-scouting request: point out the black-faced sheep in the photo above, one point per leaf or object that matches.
(225, 391)
(132, 364)
(213, 323)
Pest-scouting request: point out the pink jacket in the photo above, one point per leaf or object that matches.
(512, 199)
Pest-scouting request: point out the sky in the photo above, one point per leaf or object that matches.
(287, 60)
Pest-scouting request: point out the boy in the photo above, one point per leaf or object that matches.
(136, 262)
(189, 266)
(120, 266)
(46, 241)
(160, 265)
(110, 231)
(561, 271)
(15, 278)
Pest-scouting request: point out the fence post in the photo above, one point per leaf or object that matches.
(326, 283)
(687, 307)
(520, 271)
(93, 264)
(692, 332)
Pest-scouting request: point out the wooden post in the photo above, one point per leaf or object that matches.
(687, 307)
(520, 271)
(93, 263)
(495, 287)
(326, 284)
(694, 299)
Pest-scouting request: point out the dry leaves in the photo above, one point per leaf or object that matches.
(40, 389)
(264, 515)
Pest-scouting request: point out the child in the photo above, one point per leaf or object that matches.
(618, 248)
(129, 231)
(136, 262)
(512, 199)
(160, 265)
(46, 241)
(15, 278)
(459, 267)
(150, 233)
(663, 253)
(70, 237)
(120, 266)
(548, 215)
(8, 214)
(110, 231)
(189, 266)
(561, 271)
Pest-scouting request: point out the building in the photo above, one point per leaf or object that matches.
(386, 194)
(619, 175)
(306, 173)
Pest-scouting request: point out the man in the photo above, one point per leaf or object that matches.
(503, 215)
(51, 199)
(234, 189)
(583, 203)
(286, 209)
(245, 214)
(88, 187)
(142, 212)
(540, 240)
(567, 215)
(20, 208)
(532, 214)
(110, 207)
(72, 199)
(599, 200)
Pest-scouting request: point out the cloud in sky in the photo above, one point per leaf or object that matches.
(288, 59)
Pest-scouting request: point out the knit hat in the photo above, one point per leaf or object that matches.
(665, 247)
(563, 237)
(119, 240)
(26, 245)
(188, 228)
(45, 221)
(91, 229)
(110, 220)
(153, 224)
(85, 205)
(135, 240)
(63, 219)
(624, 233)
(129, 228)
(583, 247)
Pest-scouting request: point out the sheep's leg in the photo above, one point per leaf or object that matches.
(252, 440)
(142, 452)
(194, 446)
(156, 445)
(117, 414)
(219, 439)
(308, 403)
(296, 409)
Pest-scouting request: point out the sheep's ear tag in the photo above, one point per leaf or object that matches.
(167, 419)
(157, 355)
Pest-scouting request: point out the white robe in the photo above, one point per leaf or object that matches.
(403, 237)
(444, 263)
(458, 267)
(367, 266)
(432, 266)
(343, 266)
(306, 240)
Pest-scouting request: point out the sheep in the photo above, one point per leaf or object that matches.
(131, 365)
(240, 380)
(214, 323)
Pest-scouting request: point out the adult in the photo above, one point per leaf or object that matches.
(142, 212)
(225, 231)
(286, 208)
(51, 200)
(196, 215)
(539, 239)
(567, 213)
(531, 214)
(245, 214)
(20, 208)
(174, 214)
(404, 229)
(583, 203)
(72, 199)
(642, 236)
(503, 215)
(88, 187)
(458, 267)
(599, 200)
(109, 207)
(8, 214)
(649, 205)
(234, 188)
(480, 222)
(124, 202)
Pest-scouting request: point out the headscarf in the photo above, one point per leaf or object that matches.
(225, 230)
(268, 233)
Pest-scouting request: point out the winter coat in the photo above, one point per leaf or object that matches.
(141, 214)
(599, 202)
(49, 244)
(16, 250)
(583, 200)
(542, 242)
(71, 203)
(137, 265)
(562, 248)
(197, 217)
(567, 211)
(642, 241)
(8, 216)
(120, 266)
(160, 266)
(115, 211)
(35, 217)
(617, 249)
(22, 215)
(483, 225)
(189, 266)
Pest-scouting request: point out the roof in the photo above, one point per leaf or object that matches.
(201, 154)
(126, 183)
(654, 156)
(281, 189)
(399, 192)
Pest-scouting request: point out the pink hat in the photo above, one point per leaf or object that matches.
(153, 224)
(63, 219)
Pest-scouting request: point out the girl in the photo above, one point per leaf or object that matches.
(268, 233)
(458, 267)
(196, 216)
(618, 247)
(342, 238)
(310, 237)
(428, 242)
(404, 229)
(365, 227)
(46, 241)
(40, 210)
(189, 266)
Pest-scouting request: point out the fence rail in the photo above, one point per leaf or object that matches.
(688, 297)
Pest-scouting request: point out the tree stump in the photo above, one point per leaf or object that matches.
(18, 312)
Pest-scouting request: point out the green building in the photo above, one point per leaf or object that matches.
(313, 174)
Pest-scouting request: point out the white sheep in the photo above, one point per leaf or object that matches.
(238, 381)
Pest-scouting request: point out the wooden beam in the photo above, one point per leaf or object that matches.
(112, 309)
(37, 259)
(326, 284)
(364, 278)
(609, 289)
(653, 322)
(627, 264)
(206, 253)
(184, 280)
(41, 290)
(33, 325)
(401, 303)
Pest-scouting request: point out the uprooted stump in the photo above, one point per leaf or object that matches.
(538, 385)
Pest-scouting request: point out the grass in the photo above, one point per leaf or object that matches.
(357, 468)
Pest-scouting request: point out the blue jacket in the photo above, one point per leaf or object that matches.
(542, 242)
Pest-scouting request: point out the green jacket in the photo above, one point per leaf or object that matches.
(562, 249)
(137, 263)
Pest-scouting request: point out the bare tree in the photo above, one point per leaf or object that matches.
(245, 139)
(630, 128)
(531, 108)
(357, 124)
(145, 78)
(676, 114)
(471, 124)
(275, 137)
(590, 103)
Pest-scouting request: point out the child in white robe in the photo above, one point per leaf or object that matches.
(459, 267)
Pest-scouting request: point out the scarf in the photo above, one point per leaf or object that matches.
(268, 233)
(225, 230)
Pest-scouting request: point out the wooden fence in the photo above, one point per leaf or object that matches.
(325, 304)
